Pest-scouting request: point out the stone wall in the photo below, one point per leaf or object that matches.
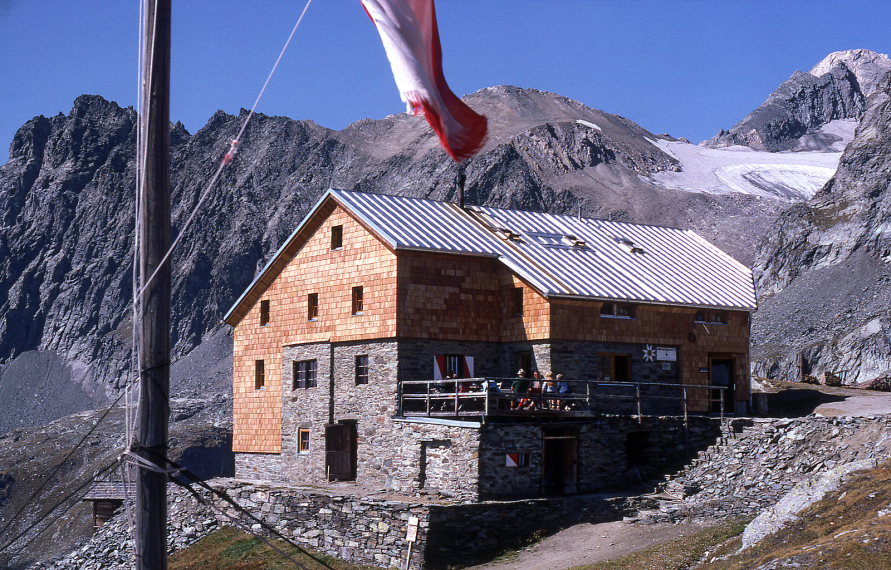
(361, 530)
(604, 452)
(744, 474)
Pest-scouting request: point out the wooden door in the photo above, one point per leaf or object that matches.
(340, 451)
(721, 374)
(559, 471)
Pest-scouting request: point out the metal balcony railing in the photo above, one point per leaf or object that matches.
(481, 397)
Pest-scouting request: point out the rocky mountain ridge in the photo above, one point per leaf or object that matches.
(794, 116)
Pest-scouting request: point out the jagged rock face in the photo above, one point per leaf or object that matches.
(66, 215)
(792, 117)
(823, 271)
(867, 66)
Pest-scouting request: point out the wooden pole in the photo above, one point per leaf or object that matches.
(155, 238)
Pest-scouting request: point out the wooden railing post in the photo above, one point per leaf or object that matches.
(428, 398)
(639, 409)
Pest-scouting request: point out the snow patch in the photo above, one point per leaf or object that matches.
(588, 124)
(741, 170)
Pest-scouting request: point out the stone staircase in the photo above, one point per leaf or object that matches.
(676, 487)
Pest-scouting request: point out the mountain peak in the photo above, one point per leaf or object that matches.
(868, 66)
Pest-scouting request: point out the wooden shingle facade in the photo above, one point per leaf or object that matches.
(370, 291)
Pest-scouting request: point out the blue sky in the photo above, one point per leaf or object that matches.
(683, 67)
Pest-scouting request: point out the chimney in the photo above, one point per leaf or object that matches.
(460, 181)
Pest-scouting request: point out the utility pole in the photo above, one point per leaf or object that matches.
(154, 241)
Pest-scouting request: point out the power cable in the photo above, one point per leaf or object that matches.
(63, 462)
(89, 480)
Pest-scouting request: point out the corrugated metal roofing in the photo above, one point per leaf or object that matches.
(614, 260)
(611, 260)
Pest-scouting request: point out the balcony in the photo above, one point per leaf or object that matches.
(482, 398)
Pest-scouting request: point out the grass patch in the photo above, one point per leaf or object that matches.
(842, 532)
(676, 554)
(231, 549)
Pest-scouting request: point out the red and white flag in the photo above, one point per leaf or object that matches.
(411, 39)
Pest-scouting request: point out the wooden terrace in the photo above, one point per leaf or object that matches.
(481, 398)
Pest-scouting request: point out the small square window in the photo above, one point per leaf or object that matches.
(259, 374)
(358, 300)
(304, 374)
(336, 237)
(516, 301)
(302, 440)
(312, 306)
(617, 310)
(264, 312)
(362, 369)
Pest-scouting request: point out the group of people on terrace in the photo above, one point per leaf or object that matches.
(539, 393)
(521, 393)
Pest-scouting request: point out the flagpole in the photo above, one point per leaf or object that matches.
(154, 241)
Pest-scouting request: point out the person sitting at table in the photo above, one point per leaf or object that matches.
(563, 387)
(550, 389)
(519, 387)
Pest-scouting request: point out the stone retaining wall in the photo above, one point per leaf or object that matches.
(752, 471)
(362, 530)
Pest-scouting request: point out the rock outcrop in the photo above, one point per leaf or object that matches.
(794, 116)
(823, 271)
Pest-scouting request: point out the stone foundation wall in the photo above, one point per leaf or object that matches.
(607, 452)
(361, 530)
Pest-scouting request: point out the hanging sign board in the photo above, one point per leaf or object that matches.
(668, 354)
(411, 534)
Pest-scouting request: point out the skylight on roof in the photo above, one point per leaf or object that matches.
(556, 240)
(629, 245)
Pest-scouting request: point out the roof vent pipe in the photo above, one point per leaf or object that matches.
(460, 182)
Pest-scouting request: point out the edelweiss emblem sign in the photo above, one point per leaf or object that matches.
(649, 353)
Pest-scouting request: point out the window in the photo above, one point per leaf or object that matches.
(304, 374)
(617, 310)
(362, 369)
(524, 362)
(358, 302)
(712, 317)
(453, 365)
(302, 440)
(264, 312)
(516, 302)
(312, 306)
(259, 374)
(336, 237)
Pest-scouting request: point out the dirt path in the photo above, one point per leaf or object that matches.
(870, 404)
(589, 543)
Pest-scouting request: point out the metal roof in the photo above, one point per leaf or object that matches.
(561, 256)
(567, 255)
(109, 490)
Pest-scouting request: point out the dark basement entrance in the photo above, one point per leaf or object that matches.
(340, 451)
(559, 474)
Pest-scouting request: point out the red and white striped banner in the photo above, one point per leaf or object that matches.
(411, 39)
